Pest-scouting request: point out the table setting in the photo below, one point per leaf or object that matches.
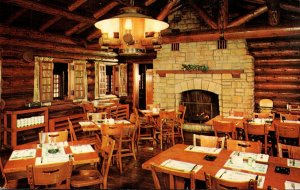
(181, 166)
(256, 157)
(238, 176)
(202, 149)
(23, 154)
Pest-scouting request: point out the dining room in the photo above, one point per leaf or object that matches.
(204, 90)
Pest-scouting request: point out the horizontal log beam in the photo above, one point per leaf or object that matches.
(273, 44)
(279, 61)
(287, 87)
(277, 71)
(272, 95)
(52, 47)
(276, 53)
(279, 79)
(34, 35)
(50, 10)
(230, 34)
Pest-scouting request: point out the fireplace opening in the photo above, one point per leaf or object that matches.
(200, 105)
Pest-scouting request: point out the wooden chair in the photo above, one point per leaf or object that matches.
(88, 107)
(85, 139)
(176, 178)
(224, 128)
(145, 127)
(287, 133)
(265, 105)
(292, 117)
(209, 141)
(255, 132)
(179, 122)
(90, 175)
(115, 131)
(55, 176)
(237, 113)
(244, 146)
(217, 183)
(165, 128)
(129, 141)
(12, 181)
(57, 136)
(293, 152)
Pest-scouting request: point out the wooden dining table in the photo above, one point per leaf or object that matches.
(96, 125)
(178, 152)
(17, 167)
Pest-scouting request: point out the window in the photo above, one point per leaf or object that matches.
(59, 80)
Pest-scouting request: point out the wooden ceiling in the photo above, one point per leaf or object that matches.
(74, 19)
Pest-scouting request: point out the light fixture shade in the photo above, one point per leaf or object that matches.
(130, 29)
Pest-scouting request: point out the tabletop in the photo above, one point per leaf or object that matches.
(178, 152)
(19, 165)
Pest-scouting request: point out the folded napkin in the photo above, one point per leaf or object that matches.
(293, 163)
(51, 160)
(86, 123)
(182, 166)
(238, 176)
(256, 157)
(77, 149)
(23, 154)
(291, 185)
(254, 167)
(202, 149)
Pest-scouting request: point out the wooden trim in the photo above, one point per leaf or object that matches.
(234, 73)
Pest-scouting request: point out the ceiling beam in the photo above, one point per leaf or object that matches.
(149, 2)
(76, 4)
(166, 10)
(49, 23)
(49, 10)
(248, 17)
(202, 13)
(75, 29)
(105, 9)
(15, 16)
(290, 7)
(230, 34)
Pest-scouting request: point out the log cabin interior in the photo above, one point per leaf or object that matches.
(214, 57)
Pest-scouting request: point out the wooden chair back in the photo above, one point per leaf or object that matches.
(72, 131)
(257, 130)
(182, 110)
(50, 175)
(237, 113)
(285, 131)
(225, 127)
(3, 174)
(263, 115)
(176, 177)
(88, 107)
(57, 136)
(293, 152)
(217, 183)
(292, 117)
(209, 141)
(265, 105)
(244, 146)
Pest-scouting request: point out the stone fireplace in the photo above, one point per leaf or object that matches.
(230, 75)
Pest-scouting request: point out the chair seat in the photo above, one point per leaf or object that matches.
(83, 178)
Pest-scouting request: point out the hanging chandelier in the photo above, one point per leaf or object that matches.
(131, 32)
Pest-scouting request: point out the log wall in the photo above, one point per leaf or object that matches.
(277, 70)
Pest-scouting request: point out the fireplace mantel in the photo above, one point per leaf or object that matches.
(235, 73)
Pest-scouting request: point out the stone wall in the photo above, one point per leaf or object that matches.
(234, 93)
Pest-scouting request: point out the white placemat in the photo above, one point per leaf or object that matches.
(82, 149)
(291, 185)
(257, 168)
(256, 157)
(182, 166)
(122, 121)
(238, 176)
(235, 117)
(22, 154)
(86, 123)
(291, 121)
(52, 159)
(202, 149)
(293, 163)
